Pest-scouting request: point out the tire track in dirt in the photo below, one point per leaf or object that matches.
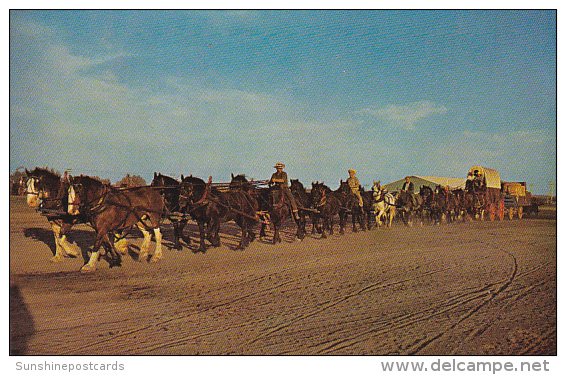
(159, 324)
(407, 320)
(329, 304)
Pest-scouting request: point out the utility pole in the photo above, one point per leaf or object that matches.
(551, 192)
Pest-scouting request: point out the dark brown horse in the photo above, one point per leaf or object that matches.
(350, 206)
(280, 210)
(210, 207)
(47, 192)
(328, 206)
(368, 213)
(409, 208)
(431, 207)
(170, 191)
(112, 211)
(304, 203)
(259, 193)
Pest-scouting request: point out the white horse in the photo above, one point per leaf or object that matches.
(383, 204)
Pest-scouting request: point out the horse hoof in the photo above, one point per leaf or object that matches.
(72, 254)
(142, 258)
(155, 259)
(87, 268)
(57, 259)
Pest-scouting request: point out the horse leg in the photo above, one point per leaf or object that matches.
(213, 230)
(324, 227)
(251, 233)
(301, 232)
(276, 236)
(90, 263)
(178, 228)
(262, 231)
(120, 243)
(158, 255)
(243, 224)
(71, 249)
(58, 257)
(342, 221)
(202, 235)
(144, 251)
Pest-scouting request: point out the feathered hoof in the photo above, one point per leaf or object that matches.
(155, 259)
(87, 268)
(73, 254)
(57, 259)
(143, 258)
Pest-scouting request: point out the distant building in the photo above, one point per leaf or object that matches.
(429, 181)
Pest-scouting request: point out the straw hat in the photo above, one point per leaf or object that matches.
(351, 170)
(279, 165)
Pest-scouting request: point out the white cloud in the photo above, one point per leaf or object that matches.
(408, 115)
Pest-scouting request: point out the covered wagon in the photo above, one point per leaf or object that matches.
(486, 183)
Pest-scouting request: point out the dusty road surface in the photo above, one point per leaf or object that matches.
(474, 288)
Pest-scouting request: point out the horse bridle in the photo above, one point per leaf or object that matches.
(83, 204)
(42, 194)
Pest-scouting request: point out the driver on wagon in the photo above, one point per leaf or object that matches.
(354, 184)
(280, 179)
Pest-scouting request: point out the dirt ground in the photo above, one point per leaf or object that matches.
(474, 288)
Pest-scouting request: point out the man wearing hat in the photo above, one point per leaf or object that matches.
(410, 188)
(280, 179)
(354, 184)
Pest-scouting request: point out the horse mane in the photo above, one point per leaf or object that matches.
(344, 188)
(240, 178)
(166, 180)
(299, 184)
(86, 181)
(43, 172)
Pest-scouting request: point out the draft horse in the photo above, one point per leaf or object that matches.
(384, 204)
(327, 205)
(350, 205)
(169, 187)
(46, 191)
(112, 211)
(279, 210)
(210, 207)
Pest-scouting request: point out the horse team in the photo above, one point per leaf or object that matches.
(113, 212)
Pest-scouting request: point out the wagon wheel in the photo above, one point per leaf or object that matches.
(511, 212)
(491, 209)
(501, 210)
(520, 212)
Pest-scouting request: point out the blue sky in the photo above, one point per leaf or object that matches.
(388, 93)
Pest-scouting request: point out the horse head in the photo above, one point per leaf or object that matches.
(297, 186)
(239, 182)
(83, 191)
(42, 184)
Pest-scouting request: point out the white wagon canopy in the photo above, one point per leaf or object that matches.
(490, 176)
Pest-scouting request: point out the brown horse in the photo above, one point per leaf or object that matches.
(112, 211)
(210, 207)
(279, 210)
(327, 204)
(169, 187)
(350, 206)
(47, 192)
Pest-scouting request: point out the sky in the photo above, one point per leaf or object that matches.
(389, 93)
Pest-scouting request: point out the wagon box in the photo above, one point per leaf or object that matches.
(518, 199)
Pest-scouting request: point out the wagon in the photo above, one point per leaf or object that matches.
(517, 199)
(490, 188)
